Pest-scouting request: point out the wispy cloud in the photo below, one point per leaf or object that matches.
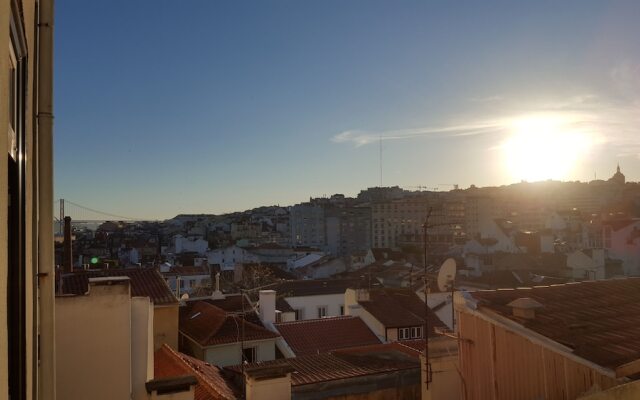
(362, 137)
(610, 119)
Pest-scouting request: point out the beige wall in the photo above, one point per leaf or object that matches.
(165, 326)
(141, 346)
(93, 343)
(31, 222)
(269, 389)
(495, 360)
(445, 379)
(629, 391)
(174, 396)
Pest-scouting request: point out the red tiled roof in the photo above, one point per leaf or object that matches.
(190, 270)
(342, 364)
(321, 335)
(209, 325)
(599, 320)
(396, 308)
(144, 282)
(211, 383)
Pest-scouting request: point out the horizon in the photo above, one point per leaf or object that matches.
(238, 105)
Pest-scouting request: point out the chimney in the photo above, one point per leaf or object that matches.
(524, 307)
(68, 255)
(362, 295)
(268, 306)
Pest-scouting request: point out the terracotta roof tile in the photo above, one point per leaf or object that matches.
(321, 335)
(209, 325)
(212, 384)
(599, 320)
(144, 282)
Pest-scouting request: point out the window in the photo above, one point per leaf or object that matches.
(342, 309)
(416, 332)
(404, 333)
(299, 314)
(322, 311)
(250, 354)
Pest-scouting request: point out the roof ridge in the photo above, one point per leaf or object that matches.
(202, 379)
(307, 321)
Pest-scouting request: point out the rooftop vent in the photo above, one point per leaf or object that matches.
(524, 307)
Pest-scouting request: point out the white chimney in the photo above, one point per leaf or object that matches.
(524, 307)
(268, 306)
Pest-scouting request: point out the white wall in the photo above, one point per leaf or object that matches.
(230, 354)
(310, 304)
(231, 256)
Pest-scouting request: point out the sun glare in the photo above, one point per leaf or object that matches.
(544, 147)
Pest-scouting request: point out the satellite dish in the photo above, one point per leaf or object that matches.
(184, 297)
(447, 275)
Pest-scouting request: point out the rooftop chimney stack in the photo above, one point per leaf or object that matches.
(268, 306)
(524, 307)
(68, 255)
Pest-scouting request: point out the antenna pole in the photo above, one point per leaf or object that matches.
(380, 160)
(425, 226)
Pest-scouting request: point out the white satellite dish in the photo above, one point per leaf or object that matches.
(447, 275)
(184, 297)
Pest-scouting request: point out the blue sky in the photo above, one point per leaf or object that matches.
(210, 106)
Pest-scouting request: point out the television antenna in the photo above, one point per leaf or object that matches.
(446, 281)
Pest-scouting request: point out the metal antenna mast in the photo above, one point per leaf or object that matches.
(380, 160)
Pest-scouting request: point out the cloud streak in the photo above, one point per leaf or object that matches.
(362, 137)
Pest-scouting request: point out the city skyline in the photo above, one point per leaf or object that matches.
(238, 106)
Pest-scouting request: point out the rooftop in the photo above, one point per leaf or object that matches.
(343, 364)
(211, 382)
(316, 336)
(396, 308)
(597, 320)
(315, 287)
(209, 325)
(145, 282)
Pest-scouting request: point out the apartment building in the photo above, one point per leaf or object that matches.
(26, 213)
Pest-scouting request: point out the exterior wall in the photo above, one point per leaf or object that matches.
(445, 379)
(231, 256)
(584, 267)
(141, 346)
(230, 354)
(310, 304)
(183, 244)
(38, 234)
(93, 343)
(622, 245)
(497, 363)
(269, 389)
(629, 391)
(165, 326)
(308, 225)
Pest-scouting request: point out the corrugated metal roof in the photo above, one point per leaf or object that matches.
(343, 364)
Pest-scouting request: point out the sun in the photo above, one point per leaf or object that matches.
(544, 147)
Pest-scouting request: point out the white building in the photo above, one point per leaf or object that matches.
(183, 244)
(231, 256)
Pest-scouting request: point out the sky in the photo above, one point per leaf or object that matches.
(165, 107)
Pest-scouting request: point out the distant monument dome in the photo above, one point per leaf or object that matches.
(618, 177)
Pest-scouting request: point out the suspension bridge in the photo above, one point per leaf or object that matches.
(83, 215)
